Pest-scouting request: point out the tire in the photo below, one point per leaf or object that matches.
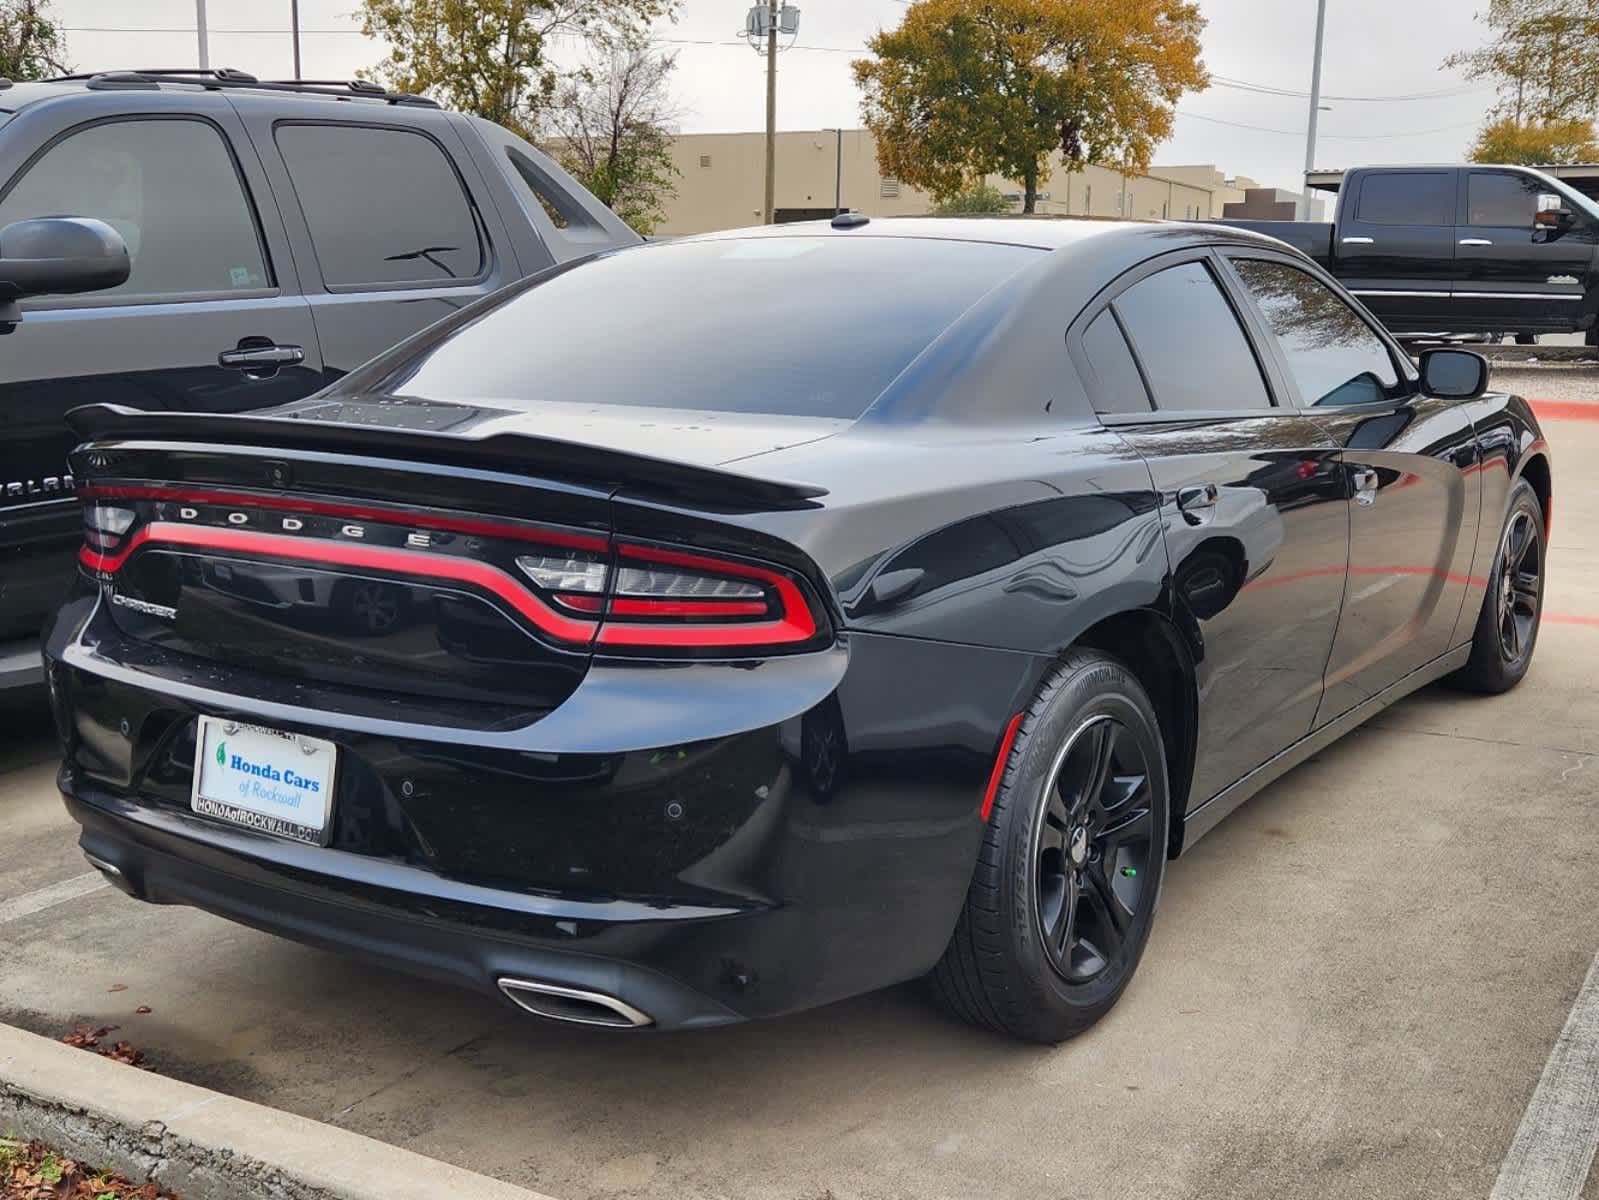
(1505, 638)
(1526, 339)
(1049, 851)
(1591, 337)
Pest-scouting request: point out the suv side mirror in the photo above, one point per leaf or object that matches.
(58, 256)
(1454, 374)
(1552, 213)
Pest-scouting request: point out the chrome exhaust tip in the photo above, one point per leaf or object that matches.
(109, 870)
(575, 1006)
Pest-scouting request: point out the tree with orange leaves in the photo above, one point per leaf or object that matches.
(968, 88)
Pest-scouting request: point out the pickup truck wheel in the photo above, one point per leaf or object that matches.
(1592, 336)
(1526, 339)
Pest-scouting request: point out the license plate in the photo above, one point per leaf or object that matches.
(264, 779)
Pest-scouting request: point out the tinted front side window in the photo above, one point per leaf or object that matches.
(1192, 348)
(814, 326)
(383, 205)
(1408, 198)
(1120, 387)
(169, 187)
(1334, 356)
(1497, 198)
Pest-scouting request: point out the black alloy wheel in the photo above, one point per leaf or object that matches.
(1093, 843)
(1518, 588)
(1063, 894)
(1507, 626)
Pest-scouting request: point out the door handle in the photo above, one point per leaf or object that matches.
(1475, 242)
(258, 358)
(1366, 483)
(1359, 241)
(1195, 503)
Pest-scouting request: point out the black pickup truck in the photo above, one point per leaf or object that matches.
(246, 243)
(1460, 249)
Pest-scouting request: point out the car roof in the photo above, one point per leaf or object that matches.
(16, 96)
(1041, 232)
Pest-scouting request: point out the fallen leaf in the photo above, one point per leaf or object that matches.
(117, 987)
(143, 1009)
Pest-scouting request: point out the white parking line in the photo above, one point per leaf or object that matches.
(1554, 1148)
(49, 897)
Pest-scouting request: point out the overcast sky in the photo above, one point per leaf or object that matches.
(1375, 48)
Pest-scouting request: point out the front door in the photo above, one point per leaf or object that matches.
(1407, 462)
(1512, 276)
(1255, 519)
(210, 319)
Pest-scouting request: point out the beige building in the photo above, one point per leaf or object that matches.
(722, 175)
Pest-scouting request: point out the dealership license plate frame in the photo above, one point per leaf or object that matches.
(319, 764)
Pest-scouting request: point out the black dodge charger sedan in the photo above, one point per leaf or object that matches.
(718, 628)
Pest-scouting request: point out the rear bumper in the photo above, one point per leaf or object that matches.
(377, 924)
(705, 842)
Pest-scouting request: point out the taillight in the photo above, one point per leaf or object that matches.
(576, 587)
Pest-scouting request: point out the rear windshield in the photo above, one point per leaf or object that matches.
(812, 326)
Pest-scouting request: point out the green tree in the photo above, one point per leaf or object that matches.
(1543, 57)
(491, 57)
(1533, 143)
(964, 89)
(979, 200)
(611, 127)
(31, 43)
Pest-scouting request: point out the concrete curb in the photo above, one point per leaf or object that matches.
(202, 1144)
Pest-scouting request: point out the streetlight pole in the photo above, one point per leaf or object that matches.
(770, 208)
(838, 173)
(199, 29)
(1315, 110)
(294, 31)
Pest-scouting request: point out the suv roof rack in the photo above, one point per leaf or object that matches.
(217, 78)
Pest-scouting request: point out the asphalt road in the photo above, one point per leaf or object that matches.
(1352, 990)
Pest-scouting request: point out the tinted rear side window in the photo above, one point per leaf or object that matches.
(814, 326)
(1408, 198)
(1500, 199)
(1120, 388)
(1192, 348)
(384, 206)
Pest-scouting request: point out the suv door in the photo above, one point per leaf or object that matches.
(391, 222)
(1255, 518)
(1513, 276)
(1396, 246)
(209, 320)
(1409, 463)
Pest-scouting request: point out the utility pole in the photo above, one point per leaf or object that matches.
(1315, 110)
(770, 209)
(294, 31)
(199, 29)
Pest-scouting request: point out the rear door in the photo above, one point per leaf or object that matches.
(1255, 518)
(1408, 462)
(1395, 245)
(211, 279)
(1511, 275)
(391, 222)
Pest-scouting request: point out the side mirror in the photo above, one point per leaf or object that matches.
(1454, 374)
(1552, 213)
(58, 256)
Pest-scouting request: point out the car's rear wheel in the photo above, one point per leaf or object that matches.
(1507, 626)
(1063, 896)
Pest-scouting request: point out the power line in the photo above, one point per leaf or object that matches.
(1242, 85)
(1341, 137)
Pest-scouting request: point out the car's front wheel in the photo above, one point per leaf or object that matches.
(1063, 896)
(1512, 611)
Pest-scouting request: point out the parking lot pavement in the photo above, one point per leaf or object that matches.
(1352, 990)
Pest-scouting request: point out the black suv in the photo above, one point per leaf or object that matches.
(277, 235)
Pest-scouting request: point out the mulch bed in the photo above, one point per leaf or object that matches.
(33, 1171)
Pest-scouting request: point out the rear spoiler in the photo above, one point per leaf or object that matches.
(551, 457)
